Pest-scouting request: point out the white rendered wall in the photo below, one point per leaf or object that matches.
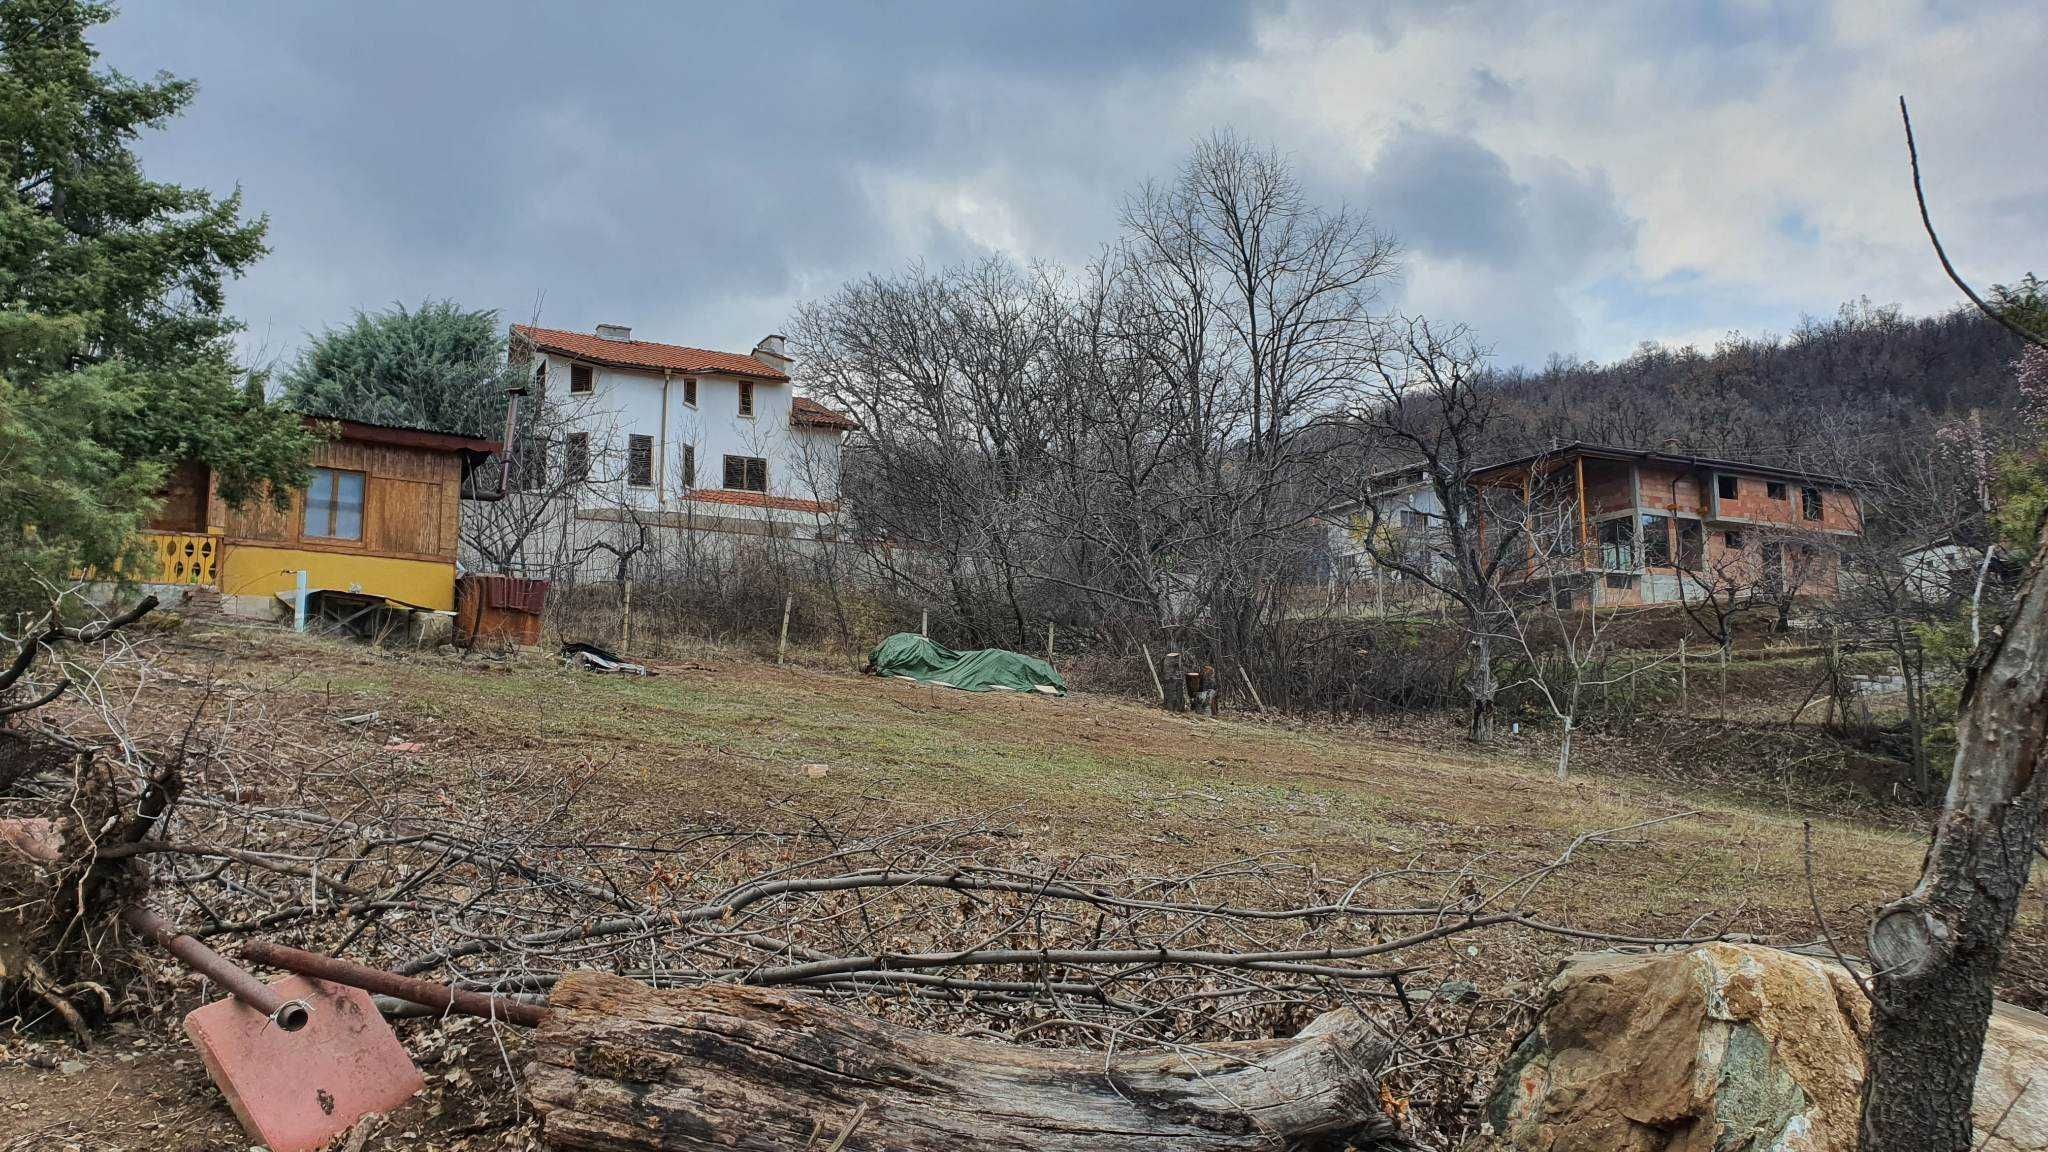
(802, 463)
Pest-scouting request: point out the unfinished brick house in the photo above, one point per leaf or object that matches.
(1621, 526)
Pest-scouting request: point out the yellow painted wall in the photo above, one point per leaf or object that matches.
(256, 570)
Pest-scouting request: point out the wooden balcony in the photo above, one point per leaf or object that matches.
(180, 558)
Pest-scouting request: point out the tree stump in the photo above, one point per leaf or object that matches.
(621, 1066)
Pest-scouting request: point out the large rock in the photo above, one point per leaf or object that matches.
(1727, 1048)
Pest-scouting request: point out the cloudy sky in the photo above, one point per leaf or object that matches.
(1570, 179)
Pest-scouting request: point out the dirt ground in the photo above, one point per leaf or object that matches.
(740, 738)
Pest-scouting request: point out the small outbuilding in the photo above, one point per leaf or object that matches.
(378, 520)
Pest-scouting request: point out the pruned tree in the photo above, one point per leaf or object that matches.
(1937, 949)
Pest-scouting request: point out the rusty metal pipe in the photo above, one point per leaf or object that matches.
(290, 1015)
(439, 997)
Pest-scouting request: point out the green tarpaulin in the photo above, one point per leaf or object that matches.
(982, 670)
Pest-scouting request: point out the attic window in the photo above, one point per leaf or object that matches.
(1809, 503)
(746, 399)
(1775, 490)
(1725, 486)
(580, 377)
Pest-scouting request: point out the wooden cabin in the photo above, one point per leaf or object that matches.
(379, 519)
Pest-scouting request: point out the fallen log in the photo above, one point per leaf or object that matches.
(621, 1067)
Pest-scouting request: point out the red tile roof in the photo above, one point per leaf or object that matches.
(645, 355)
(759, 500)
(807, 413)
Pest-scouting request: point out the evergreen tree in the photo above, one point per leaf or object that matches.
(115, 359)
(437, 368)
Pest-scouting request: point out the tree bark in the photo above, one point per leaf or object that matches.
(1479, 686)
(621, 1066)
(1937, 949)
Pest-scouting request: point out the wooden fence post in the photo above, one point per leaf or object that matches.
(626, 618)
(1048, 643)
(924, 623)
(782, 642)
(1684, 689)
(1154, 669)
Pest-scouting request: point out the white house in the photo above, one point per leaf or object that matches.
(1403, 504)
(669, 435)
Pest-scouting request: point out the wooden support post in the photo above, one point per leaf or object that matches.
(782, 641)
(1048, 642)
(924, 623)
(1154, 670)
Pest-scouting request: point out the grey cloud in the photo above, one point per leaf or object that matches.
(695, 170)
(1448, 195)
(651, 165)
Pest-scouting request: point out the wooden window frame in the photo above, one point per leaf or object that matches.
(576, 457)
(589, 373)
(690, 391)
(639, 460)
(333, 507)
(689, 468)
(746, 471)
(746, 406)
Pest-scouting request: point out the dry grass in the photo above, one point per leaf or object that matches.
(1103, 774)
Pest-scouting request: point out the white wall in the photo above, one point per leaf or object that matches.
(802, 463)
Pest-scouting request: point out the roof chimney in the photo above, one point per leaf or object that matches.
(773, 351)
(620, 332)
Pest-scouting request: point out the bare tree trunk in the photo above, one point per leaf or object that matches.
(1938, 948)
(619, 1066)
(1480, 687)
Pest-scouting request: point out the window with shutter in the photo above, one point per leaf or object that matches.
(640, 461)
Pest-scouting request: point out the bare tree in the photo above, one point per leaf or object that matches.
(1551, 616)
(1433, 406)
